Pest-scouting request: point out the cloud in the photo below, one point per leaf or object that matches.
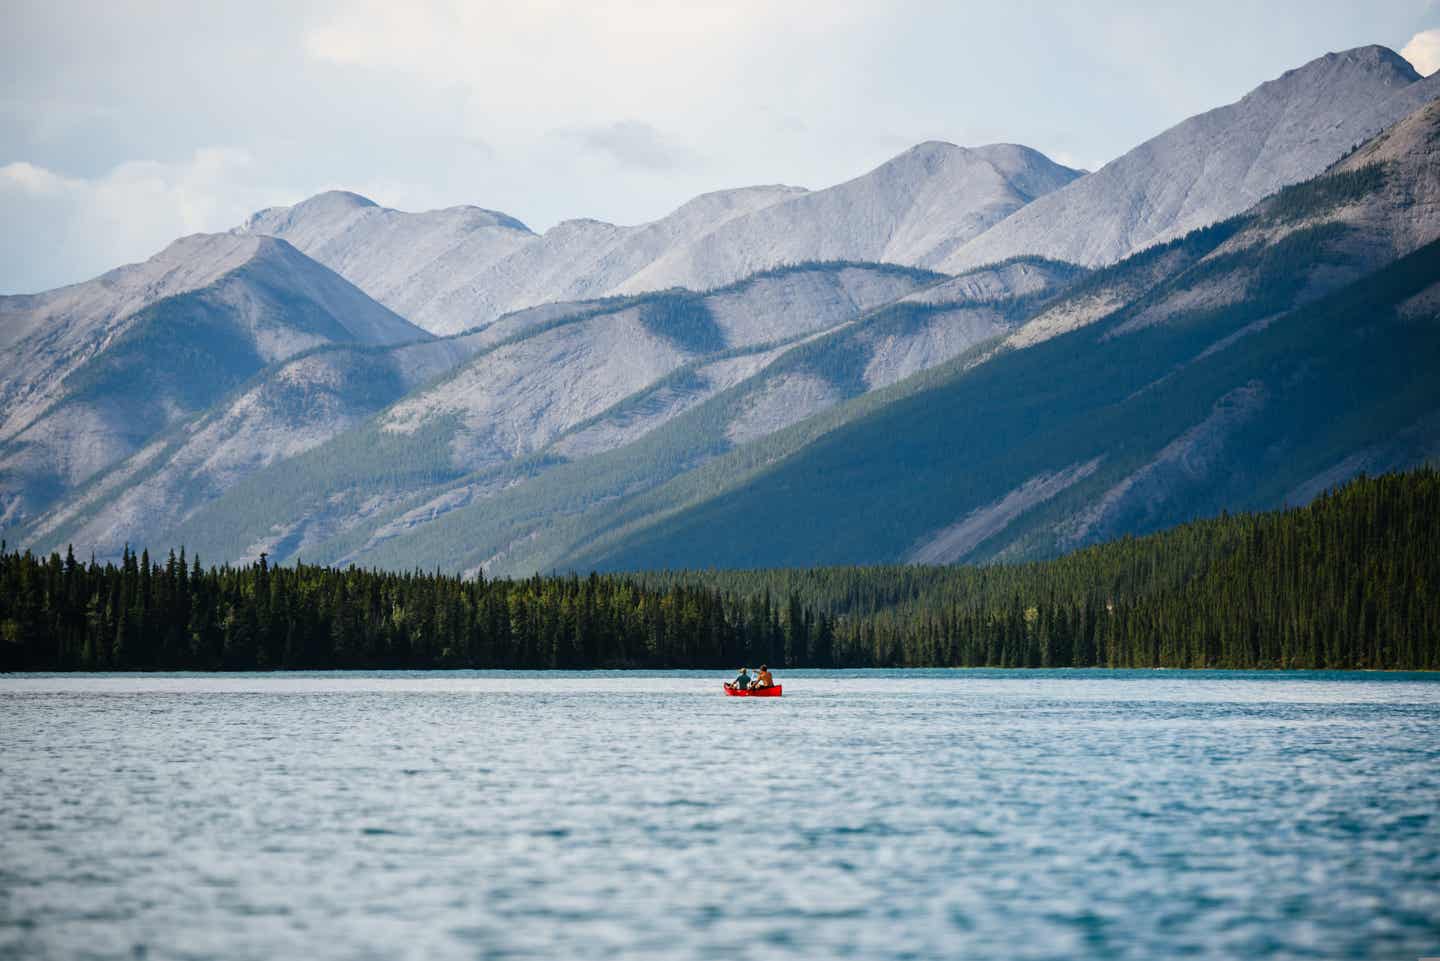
(1070, 160)
(620, 110)
(61, 229)
(1423, 51)
(635, 144)
(549, 64)
(26, 177)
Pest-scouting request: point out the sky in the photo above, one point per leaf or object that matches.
(124, 125)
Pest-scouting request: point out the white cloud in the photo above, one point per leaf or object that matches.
(548, 65)
(1076, 163)
(619, 110)
(27, 177)
(1423, 51)
(635, 144)
(83, 226)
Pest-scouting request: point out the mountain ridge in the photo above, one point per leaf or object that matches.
(426, 393)
(94, 377)
(596, 416)
(918, 205)
(1215, 164)
(909, 210)
(1303, 357)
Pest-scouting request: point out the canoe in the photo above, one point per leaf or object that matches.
(762, 692)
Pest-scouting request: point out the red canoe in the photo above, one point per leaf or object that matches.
(759, 692)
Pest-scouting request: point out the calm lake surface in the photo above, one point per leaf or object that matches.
(871, 814)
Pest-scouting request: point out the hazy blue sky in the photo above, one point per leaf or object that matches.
(124, 125)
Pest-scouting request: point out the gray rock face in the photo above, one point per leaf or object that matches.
(1404, 213)
(1016, 278)
(918, 332)
(1391, 208)
(95, 369)
(300, 404)
(452, 270)
(914, 209)
(521, 396)
(936, 205)
(581, 259)
(406, 261)
(45, 336)
(1227, 370)
(684, 421)
(1214, 165)
(164, 401)
(554, 379)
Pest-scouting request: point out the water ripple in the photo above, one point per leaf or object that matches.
(869, 815)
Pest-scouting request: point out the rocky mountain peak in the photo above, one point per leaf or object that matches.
(1212, 165)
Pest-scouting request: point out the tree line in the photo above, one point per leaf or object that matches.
(60, 614)
(1349, 581)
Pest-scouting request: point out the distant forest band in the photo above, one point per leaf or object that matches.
(1350, 581)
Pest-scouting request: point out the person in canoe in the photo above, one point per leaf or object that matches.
(741, 682)
(762, 679)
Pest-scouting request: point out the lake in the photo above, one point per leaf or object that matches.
(866, 814)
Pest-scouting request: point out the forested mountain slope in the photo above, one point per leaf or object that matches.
(281, 412)
(1129, 439)
(558, 384)
(590, 491)
(234, 393)
(1230, 379)
(1344, 583)
(524, 512)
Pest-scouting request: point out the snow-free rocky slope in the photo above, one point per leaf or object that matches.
(518, 507)
(1252, 365)
(199, 400)
(1214, 165)
(911, 210)
(936, 206)
(1237, 430)
(290, 408)
(94, 369)
(406, 261)
(914, 209)
(570, 380)
(455, 269)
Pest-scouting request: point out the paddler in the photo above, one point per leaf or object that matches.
(762, 679)
(742, 680)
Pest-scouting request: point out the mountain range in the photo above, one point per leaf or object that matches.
(964, 354)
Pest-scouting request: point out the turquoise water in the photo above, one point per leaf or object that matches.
(876, 814)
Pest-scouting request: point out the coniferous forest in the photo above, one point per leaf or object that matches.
(1350, 581)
